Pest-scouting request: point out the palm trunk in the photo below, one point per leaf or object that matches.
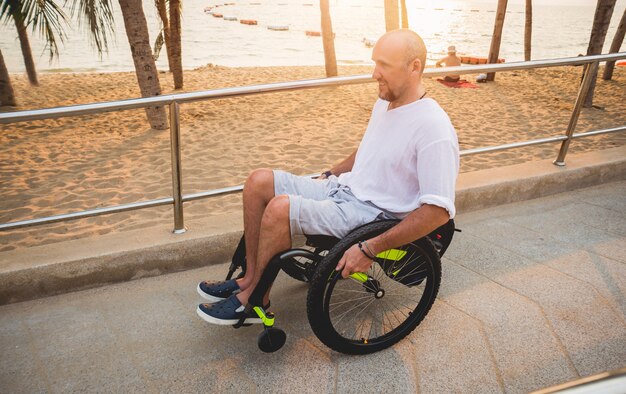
(494, 50)
(177, 66)
(528, 29)
(27, 53)
(145, 68)
(7, 97)
(391, 15)
(405, 15)
(601, 21)
(328, 40)
(615, 46)
(162, 9)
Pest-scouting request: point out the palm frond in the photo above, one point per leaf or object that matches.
(158, 45)
(97, 16)
(48, 20)
(10, 9)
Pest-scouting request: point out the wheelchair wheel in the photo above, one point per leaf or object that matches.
(382, 307)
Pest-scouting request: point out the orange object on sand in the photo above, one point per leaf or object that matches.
(476, 60)
(313, 33)
(458, 84)
(621, 64)
(248, 21)
(215, 15)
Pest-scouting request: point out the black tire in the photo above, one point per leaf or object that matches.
(299, 268)
(328, 293)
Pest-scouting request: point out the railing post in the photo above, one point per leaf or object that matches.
(590, 70)
(179, 222)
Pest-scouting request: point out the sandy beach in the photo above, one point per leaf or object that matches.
(66, 165)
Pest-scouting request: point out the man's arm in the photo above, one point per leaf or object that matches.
(417, 224)
(345, 166)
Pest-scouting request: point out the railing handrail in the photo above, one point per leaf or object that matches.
(174, 100)
(213, 94)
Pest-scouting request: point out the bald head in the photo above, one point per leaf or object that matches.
(407, 41)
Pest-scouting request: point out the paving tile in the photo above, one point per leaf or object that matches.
(534, 206)
(614, 249)
(20, 368)
(519, 240)
(609, 196)
(223, 376)
(591, 331)
(607, 276)
(385, 371)
(482, 255)
(574, 224)
(77, 350)
(449, 343)
(297, 367)
(525, 348)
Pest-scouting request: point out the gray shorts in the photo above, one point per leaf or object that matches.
(323, 206)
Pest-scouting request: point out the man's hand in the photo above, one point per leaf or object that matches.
(353, 260)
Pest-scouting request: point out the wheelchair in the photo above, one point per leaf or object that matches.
(366, 312)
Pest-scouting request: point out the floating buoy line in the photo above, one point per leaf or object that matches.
(368, 42)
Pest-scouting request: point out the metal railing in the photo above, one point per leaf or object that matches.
(175, 100)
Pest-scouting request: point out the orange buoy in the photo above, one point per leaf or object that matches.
(476, 60)
(216, 15)
(248, 22)
(621, 64)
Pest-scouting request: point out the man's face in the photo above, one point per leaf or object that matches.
(391, 70)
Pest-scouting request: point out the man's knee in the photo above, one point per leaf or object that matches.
(260, 181)
(277, 211)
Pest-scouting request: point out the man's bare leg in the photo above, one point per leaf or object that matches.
(258, 191)
(274, 237)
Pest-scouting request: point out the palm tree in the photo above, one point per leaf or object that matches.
(164, 36)
(528, 29)
(175, 40)
(45, 17)
(391, 15)
(328, 40)
(405, 15)
(145, 67)
(601, 21)
(615, 46)
(494, 50)
(170, 35)
(7, 97)
(98, 16)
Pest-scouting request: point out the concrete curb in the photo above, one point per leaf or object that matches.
(47, 270)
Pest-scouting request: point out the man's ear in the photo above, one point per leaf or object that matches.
(417, 65)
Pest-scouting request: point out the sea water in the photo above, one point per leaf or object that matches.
(560, 29)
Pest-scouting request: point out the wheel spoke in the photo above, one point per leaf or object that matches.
(358, 313)
(351, 309)
(412, 272)
(337, 303)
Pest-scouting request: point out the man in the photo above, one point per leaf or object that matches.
(452, 60)
(405, 167)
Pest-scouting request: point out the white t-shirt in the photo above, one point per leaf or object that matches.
(409, 156)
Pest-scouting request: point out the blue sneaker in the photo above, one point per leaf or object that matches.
(218, 291)
(226, 312)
